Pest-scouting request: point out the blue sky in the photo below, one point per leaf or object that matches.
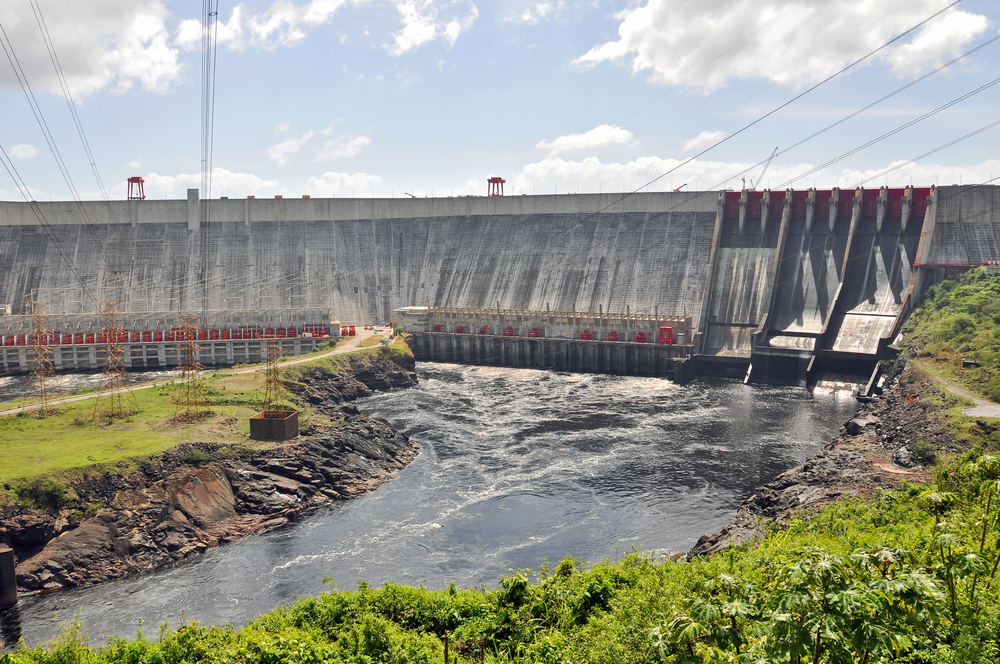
(387, 97)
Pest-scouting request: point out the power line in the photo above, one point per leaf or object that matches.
(755, 122)
(896, 130)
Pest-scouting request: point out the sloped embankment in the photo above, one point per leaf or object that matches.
(169, 509)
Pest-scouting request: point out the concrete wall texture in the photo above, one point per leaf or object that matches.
(675, 253)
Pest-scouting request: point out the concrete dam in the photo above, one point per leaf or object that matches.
(778, 285)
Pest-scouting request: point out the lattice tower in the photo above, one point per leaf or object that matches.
(272, 378)
(191, 404)
(40, 383)
(115, 399)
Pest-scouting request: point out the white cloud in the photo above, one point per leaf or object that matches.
(345, 145)
(281, 128)
(705, 43)
(341, 147)
(922, 174)
(118, 43)
(331, 184)
(592, 175)
(703, 140)
(286, 24)
(134, 164)
(224, 183)
(422, 23)
(279, 152)
(23, 151)
(598, 137)
(283, 24)
(541, 11)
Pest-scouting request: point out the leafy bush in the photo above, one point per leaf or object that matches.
(194, 457)
(45, 494)
(924, 451)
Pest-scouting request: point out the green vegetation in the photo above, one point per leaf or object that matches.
(960, 320)
(370, 341)
(45, 494)
(65, 445)
(194, 457)
(908, 576)
(905, 576)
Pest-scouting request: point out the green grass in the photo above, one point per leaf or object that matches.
(960, 320)
(73, 439)
(370, 341)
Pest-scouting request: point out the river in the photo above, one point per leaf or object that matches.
(515, 467)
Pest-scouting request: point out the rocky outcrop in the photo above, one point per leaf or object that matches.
(872, 451)
(168, 510)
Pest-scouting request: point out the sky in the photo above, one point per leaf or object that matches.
(361, 98)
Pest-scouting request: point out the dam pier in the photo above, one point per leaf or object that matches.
(768, 286)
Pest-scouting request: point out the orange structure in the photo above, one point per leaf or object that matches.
(135, 190)
(495, 186)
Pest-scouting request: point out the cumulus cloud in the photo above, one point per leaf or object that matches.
(23, 151)
(331, 184)
(134, 164)
(592, 175)
(224, 183)
(905, 173)
(286, 24)
(703, 140)
(423, 22)
(602, 136)
(107, 43)
(283, 24)
(341, 147)
(539, 12)
(705, 43)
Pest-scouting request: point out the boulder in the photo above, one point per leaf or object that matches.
(76, 557)
(204, 495)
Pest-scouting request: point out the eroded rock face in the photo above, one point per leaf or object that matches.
(168, 510)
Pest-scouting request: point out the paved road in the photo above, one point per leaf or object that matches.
(983, 408)
(346, 348)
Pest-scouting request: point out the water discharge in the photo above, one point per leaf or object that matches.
(515, 467)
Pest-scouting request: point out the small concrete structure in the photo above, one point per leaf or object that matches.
(8, 580)
(275, 425)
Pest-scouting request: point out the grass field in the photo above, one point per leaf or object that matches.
(74, 439)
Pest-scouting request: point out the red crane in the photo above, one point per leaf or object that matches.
(137, 194)
(495, 186)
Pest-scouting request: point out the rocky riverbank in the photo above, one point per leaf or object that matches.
(875, 449)
(180, 503)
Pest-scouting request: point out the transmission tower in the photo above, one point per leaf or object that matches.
(41, 362)
(191, 404)
(115, 400)
(272, 378)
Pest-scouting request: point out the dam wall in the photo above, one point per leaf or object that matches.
(779, 285)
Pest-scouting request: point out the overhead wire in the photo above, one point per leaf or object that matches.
(619, 199)
(47, 134)
(78, 123)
